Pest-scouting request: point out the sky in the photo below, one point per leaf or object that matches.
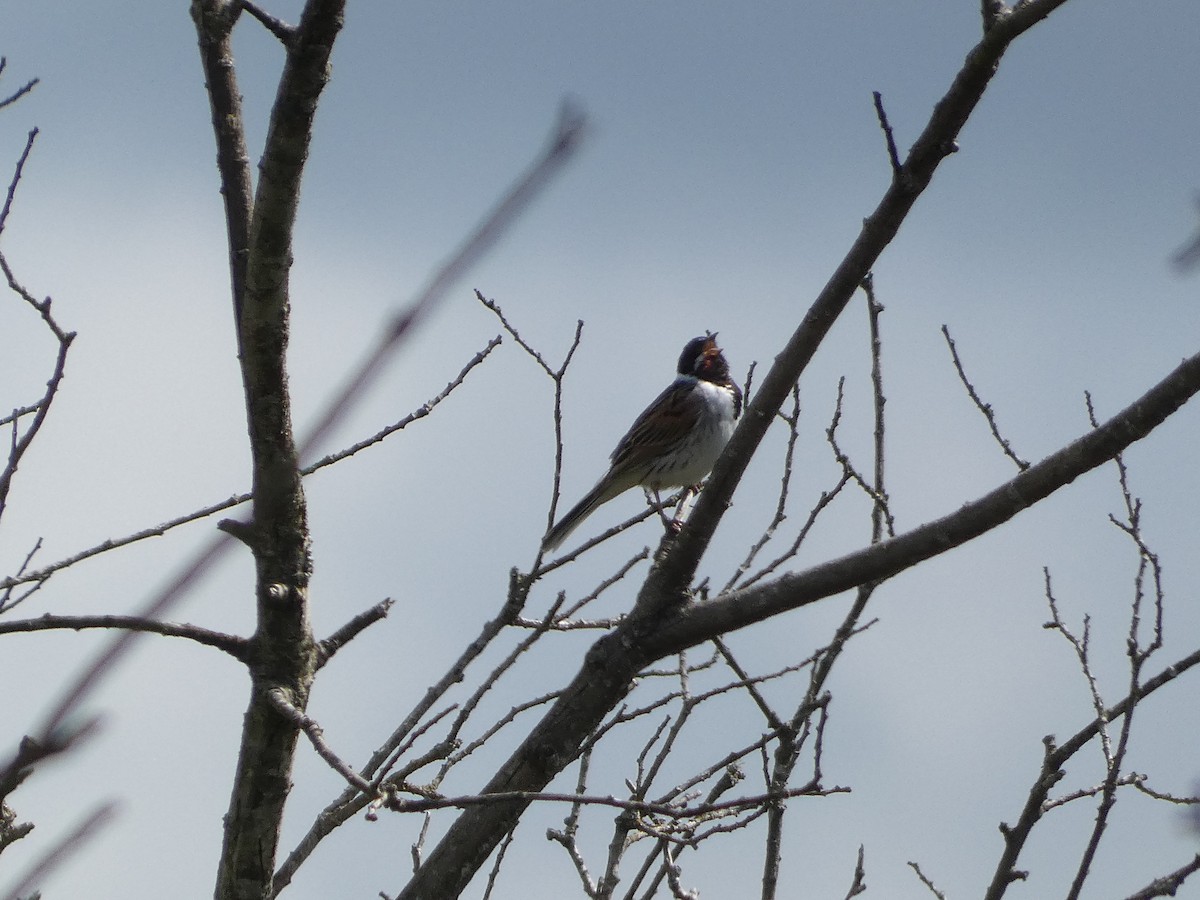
(730, 158)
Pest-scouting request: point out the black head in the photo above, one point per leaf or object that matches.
(702, 358)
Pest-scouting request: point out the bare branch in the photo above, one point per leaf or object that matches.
(880, 561)
(1051, 773)
(16, 179)
(524, 345)
(1129, 780)
(794, 736)
(557, 376)
(282, 30)
(1139, 782)
(562, 144)
(231, 644)
(893, 155)
(42, 574)
(21, 442)
(935, 142)
(881, 514)
(1080, 646)
(667, 810)
(416, 415)
(785, 480)
(349, 801)
(495, 873)
(925, 881)
(566, 837)
(859, 885)
(1168, 885)
(7, 601)
(19, 92)
(283, 705)
(985, 408)
(351, 630)
(214, 22)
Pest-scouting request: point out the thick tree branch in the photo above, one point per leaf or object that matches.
(283, 652)
(615, 659)
(741, 608)
(669, 580)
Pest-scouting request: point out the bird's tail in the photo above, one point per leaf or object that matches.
(600, 494)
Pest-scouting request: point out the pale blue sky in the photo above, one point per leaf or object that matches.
(732, 154)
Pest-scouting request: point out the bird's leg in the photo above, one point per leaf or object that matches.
(684, 507)
(653, 498)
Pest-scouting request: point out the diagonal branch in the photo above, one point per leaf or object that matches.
(1056, 756)
(614, 661)
(879, 561)
(667, 582)
(352, 629)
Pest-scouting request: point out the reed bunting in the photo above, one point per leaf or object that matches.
(675, 442)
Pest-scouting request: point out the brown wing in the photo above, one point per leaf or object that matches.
(665, 423)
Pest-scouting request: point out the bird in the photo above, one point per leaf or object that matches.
(675, 442)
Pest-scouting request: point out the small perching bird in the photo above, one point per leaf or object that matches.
(675, 442)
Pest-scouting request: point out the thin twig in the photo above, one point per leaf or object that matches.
(1053, 761)
(925, 881)
(667, 810)
(567, 835)
(281, 29)
(789, 454)
(351, 630)
(237, 499)
(1081, 647)
(316, 736)
(19, 92)
(882, 522)
(563, 142)
(893, 154)
(985, 408)
(16, 179)
(496, 866)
